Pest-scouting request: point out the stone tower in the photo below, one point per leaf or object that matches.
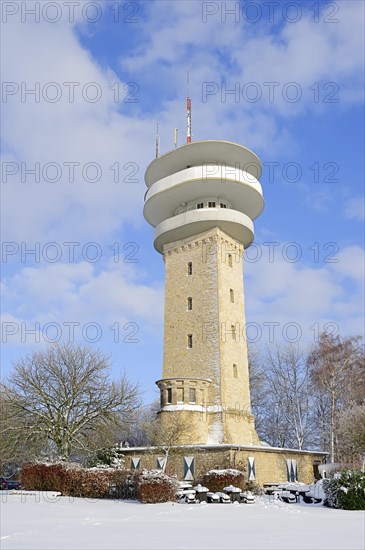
(202, 199)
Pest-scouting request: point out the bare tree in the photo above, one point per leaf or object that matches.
(282, 397)
(166, 436)
(258, 389)
(337, 370)
(266, 405)
(287, 374)
(298, 399)
(61, 398)
(321, 414)
(351, 430)
(135, 432)
(16, 444)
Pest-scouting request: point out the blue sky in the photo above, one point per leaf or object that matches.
(298, 102)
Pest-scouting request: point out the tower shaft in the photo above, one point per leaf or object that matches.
(205, 368)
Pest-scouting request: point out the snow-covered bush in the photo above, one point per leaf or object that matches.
(345, 490)
(254, 487)
(155, 486)
(123, 484)
(216, 480)
(87, 483)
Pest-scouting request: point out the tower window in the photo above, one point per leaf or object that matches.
(231, 295)
(200, 205)
(190, 340)
(235, 375)
(192, 395)
(233, 331)
(211, 204)
(190, 268)
(190, 303)
(223, 205)
(169, 396)
(230, 260)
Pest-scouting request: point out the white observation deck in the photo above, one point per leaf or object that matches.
(201, 185)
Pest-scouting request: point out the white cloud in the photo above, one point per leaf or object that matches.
(281, 297)
(240, 52)
(104, 132)
(355, 209)
(311, 297)
(77, 293)
(107, 133)
(351, 263)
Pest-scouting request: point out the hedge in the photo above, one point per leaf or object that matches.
(216, 480)
(155, 486)
(73, 480)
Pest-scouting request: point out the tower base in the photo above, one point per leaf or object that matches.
(208, 426)
(263, 465)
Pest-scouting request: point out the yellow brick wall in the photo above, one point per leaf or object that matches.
(214, 350)
(270, 465)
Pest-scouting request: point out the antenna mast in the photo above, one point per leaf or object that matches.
(157, 143)
(188, 112)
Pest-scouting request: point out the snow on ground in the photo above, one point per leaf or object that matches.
(47, 521)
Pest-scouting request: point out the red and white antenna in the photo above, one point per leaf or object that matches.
(188, 112)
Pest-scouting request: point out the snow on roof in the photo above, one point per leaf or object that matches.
(197, 446)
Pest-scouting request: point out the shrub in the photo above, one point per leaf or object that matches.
(216, 480)
(155, 486)
(123, 484)
(43, 477)
(345, 490)
(87, 483)
(107, 458)
(254, 487)
(74, 480)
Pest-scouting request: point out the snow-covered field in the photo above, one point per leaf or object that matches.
(46, 521)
